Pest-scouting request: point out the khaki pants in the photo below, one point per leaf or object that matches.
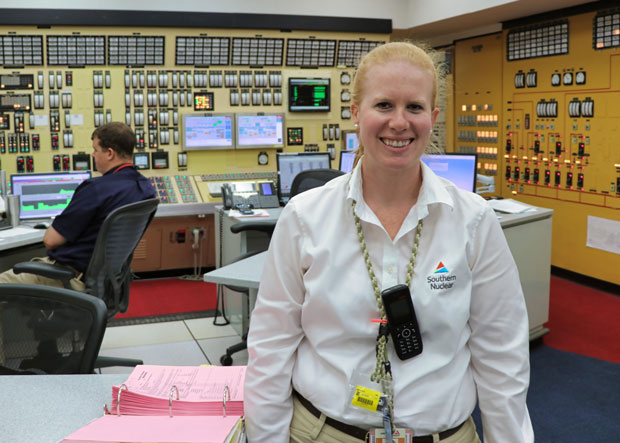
(32, 279)
(306, 428)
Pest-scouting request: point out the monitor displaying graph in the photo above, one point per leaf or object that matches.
(260, 131)
(207, 131)
(45, 195)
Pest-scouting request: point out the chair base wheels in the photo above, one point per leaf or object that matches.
(226, 360)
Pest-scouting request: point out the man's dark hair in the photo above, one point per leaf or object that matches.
(117, 136)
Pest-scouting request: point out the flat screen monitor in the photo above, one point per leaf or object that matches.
(308, 95)
(260, 131)
(204, 131)
(45, 195)
(346, 161)
(291, 164)
(351, 142)
(141, 160)
(460, 169)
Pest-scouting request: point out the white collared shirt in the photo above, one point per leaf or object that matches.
(311, 327)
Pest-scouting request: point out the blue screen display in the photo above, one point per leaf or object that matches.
(460, 169)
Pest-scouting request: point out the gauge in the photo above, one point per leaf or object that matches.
(568, 78)
(580, 78)
(345, 96)
(263, 158)
(555, 79)
(345, 78)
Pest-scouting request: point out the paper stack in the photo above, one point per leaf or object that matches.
(166, 404)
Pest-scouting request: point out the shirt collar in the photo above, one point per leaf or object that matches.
(433, 191)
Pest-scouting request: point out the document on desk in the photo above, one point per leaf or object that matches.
(162, 404)
(255, 213)
(510, 206)
(200, 390)
(160, 429)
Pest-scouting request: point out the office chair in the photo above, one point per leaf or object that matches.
(312, 178)
(108, 274)
(49, 330)
(303, 181)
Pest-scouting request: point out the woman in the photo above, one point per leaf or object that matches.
(314, 333)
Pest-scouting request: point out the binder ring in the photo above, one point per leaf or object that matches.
(226, 394)
(172, 390)
(118, 398)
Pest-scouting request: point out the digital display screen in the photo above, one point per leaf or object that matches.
(399, 310)
(260, 131)
(291, 164)
(207, 131)
(141, 160)
(45, 195)
(347, 158)
(351, 142)
(309, 95)
(460, 169)
(159, 160)
(203, 101)
(266, 188)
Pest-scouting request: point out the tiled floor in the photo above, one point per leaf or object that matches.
(187, 342)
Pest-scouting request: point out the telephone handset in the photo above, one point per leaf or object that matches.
(227, 195)
(402, 321)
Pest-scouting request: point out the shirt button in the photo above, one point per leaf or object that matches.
(390, 269)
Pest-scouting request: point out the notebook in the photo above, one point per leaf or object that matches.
(161, 404)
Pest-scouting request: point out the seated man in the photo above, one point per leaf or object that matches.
(71, 238)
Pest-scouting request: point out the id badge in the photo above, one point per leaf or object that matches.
(366, 396)
(400, 435)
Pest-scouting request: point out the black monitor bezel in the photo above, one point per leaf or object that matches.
(291, 108)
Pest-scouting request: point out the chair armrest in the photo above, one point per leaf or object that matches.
(262, 226)
(57, 272)
(108, 362)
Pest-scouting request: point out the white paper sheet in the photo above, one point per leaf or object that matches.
(510, 206)
(603, 234)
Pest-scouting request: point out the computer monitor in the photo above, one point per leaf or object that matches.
(205, 131)
(346, 161)
(308, 95)
(291, 164)
(260, 131)
(460, 169)
(350, 140)
(45, 195)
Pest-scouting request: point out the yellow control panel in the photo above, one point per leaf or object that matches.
(540, 104)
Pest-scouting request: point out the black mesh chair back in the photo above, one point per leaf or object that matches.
(108, 275)
(48, 330)
(312, 178)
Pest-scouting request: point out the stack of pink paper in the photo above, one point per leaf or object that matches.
(195, 390)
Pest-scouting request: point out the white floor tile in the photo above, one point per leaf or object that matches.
(202, 328)
(147, 334)
(171, 354)
(216, 347)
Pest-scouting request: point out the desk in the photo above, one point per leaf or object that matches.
(529, 239)
(20, 244)
(228, 246)
(47, 408)
(245, 273)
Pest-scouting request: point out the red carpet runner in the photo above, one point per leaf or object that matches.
(169, 296)
(583, 320)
